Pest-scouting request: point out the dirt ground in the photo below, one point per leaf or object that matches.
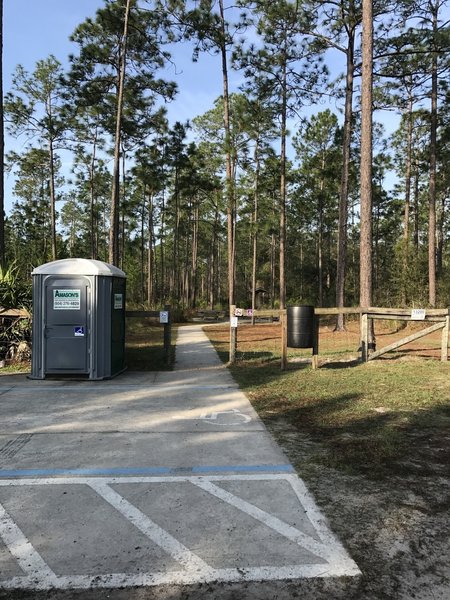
(397, 528)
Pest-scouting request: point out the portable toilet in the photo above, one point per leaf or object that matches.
(78, 319)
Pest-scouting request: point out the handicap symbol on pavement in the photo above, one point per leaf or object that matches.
(226, 417)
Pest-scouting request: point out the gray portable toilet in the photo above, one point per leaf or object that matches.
(78, 319)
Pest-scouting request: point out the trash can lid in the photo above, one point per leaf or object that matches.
(79, 266)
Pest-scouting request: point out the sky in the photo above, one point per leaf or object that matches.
(34, 29)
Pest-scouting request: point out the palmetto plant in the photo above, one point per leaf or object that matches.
(15, 331)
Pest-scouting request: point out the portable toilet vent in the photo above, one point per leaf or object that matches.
(78, 319)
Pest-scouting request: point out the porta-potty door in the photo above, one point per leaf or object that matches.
(66, 325)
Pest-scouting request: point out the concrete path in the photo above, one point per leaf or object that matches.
(151, 479)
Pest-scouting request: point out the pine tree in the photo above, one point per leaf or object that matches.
(290, 73)
(35, 109)
(119, 55)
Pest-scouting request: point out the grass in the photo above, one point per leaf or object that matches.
(16, 367)
(390, 415)
(144, 347)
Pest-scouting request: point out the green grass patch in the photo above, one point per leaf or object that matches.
(144, 346)
(144, 349)
(16, 367)
(377, 418)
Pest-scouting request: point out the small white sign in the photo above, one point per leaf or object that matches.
(118, 301)
(163, 316)
(418, 314)
(234, 322)
(66, 299)
(238, 312)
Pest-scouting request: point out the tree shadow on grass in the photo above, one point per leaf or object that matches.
(243, 357)
(148, 358)
(376, 445)
(342, 364)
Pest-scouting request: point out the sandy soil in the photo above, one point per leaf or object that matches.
(397, 530)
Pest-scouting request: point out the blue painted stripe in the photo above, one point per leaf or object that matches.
(85, 472)
(146, 471)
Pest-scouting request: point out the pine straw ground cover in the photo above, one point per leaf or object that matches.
(371, 440)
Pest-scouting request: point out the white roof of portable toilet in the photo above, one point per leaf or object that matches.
(79, 266)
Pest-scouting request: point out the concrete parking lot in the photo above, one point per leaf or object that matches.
(151, 479)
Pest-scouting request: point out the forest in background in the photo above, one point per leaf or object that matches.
(204, 213)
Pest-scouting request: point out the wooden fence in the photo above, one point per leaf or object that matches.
(440, 319)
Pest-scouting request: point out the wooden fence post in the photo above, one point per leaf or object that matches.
(315, 353)
(283, 323)
(364, 337)
(444, 345)
(233, 337)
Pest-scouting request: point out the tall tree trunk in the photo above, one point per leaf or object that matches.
(416, 201)
(51, 167)
(320, 251)
(231, 212)
(375, 245)
(175, 283)
(273, 258)
(215, 259)
(93, 200)
(150, 287)
(365, 275)
(2, 149)
(142, 245)
(440, 237)
(343, 195)
(162, 250)
(255, 229)
(283, 185)
(194, 278)
(114, 214)
(211, 279)
(406, 214)
(321, 231)
(122, 211)
(433, 169)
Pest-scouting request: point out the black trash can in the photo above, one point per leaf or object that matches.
(300, 326)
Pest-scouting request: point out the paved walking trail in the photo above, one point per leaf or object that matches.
(149, 479)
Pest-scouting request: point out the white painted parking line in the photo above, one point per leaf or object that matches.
(332, 558)
(29, 560)
(125, 580)
(315, 516)
(144, 479)
(287, 531)
(159, 536)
